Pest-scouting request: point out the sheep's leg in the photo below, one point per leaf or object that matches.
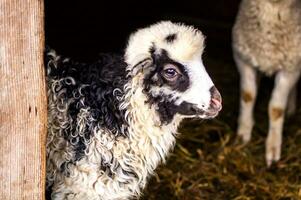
(284, 83)
(248, 93)
(292, 101)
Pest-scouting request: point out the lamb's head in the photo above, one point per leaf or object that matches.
(165, 60)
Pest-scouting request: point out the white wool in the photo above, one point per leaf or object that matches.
(267, 37)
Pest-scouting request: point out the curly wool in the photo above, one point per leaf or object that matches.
(92, 140)
(113, 121)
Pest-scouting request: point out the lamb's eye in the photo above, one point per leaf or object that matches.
(170, 72)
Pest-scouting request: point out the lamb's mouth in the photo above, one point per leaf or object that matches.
(193, 111)
(209, 115)
(202, 114)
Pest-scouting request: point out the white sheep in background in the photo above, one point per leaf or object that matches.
(267, 37)
(113, 121)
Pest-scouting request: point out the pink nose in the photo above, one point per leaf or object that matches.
(216, 99)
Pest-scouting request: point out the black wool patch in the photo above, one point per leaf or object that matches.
(171, 38)
(92, 90)
(166, 109)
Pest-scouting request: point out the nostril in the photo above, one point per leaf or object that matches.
(215, 94)
(216, 99)
(216, 103)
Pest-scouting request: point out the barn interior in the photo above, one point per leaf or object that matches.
(208, 162)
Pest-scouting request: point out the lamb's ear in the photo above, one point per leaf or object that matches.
(141, 62)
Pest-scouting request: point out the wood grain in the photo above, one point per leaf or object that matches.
(22, 100)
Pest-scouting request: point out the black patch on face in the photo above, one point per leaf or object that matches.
(166, 109)
(170, 38)
(155, 77)
(186, 108)
(152, 49)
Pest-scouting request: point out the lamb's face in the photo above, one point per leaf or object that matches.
(167, 58)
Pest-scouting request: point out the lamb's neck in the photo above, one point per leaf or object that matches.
(148, 140)
(148, 131)
(150, 145)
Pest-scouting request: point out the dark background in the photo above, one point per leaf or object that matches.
(82, 29)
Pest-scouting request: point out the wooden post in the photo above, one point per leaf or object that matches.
(22, 100)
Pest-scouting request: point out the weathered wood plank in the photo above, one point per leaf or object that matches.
(22, 100)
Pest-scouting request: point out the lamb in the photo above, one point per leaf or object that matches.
(113, 121)
(267, 38)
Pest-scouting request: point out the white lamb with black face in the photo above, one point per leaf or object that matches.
(113, 121)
